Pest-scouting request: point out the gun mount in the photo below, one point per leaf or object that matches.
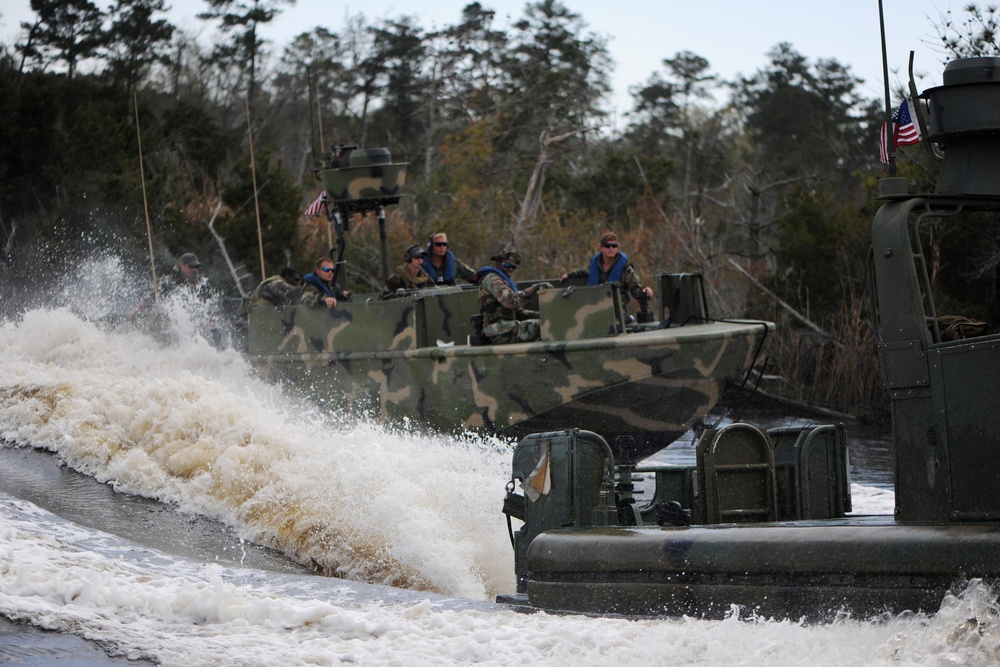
(359, 181)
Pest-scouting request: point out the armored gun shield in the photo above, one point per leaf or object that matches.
(364, 179)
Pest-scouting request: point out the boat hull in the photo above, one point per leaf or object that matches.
(861, 566)
(652, 385)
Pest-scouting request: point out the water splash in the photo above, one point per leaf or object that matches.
(193, 426)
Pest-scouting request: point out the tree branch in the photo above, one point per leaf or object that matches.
(796, 314)
(221, 242)
(533, 193)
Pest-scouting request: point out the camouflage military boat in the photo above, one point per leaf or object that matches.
(417, 358)
(761, 520)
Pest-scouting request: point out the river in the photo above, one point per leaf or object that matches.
(161, 505)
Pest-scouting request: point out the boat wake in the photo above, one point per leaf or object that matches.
(142, 604)
(190, 425)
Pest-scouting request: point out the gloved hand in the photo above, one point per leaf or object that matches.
(533, 290)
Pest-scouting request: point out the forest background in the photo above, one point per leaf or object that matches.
(769, 195)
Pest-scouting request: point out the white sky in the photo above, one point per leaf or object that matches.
(733, 35)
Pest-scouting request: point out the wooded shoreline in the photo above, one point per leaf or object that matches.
(769, 195)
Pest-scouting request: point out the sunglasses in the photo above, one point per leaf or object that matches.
(327, 269)
(509, 266)
(441, 244)
(610, 245)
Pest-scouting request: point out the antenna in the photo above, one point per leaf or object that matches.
(145, 203)
(890, 138)
(312, 119)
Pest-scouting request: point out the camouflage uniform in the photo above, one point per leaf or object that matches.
(198, 287)
(403, 279)
(172, 284)
(207, 317)
(504, 318)
(274, 291)
(629, 280)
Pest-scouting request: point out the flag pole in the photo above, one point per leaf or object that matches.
(890, 136)
(145, 203)
(256, 204)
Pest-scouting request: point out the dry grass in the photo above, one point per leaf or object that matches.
(840, 373)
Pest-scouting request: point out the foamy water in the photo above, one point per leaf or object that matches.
(192, 426)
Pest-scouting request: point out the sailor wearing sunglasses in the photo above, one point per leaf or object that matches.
(505, 320)
(319, 287)
(610, 265)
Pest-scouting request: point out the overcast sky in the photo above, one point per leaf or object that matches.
(733, 35)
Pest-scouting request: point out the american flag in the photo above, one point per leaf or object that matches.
(317, 206)
(906, 132)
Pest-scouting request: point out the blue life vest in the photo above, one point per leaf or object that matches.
(448, 270)
(614, 275)
(491, 269)
(313, 279)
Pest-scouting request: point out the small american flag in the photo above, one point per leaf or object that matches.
(905, 131)
(317, 206)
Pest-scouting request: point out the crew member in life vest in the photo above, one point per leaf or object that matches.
(442, 265)
(505, 320)
(319, 288)
(610, 265)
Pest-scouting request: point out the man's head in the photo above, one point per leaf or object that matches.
(414, 258)
(290, 276)
(507, 261)
(324, 268)
(188, 265)
(438, 244)
(414, 252)
(609, 244)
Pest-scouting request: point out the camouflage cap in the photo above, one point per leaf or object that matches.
(505, 255)
(191, 260)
